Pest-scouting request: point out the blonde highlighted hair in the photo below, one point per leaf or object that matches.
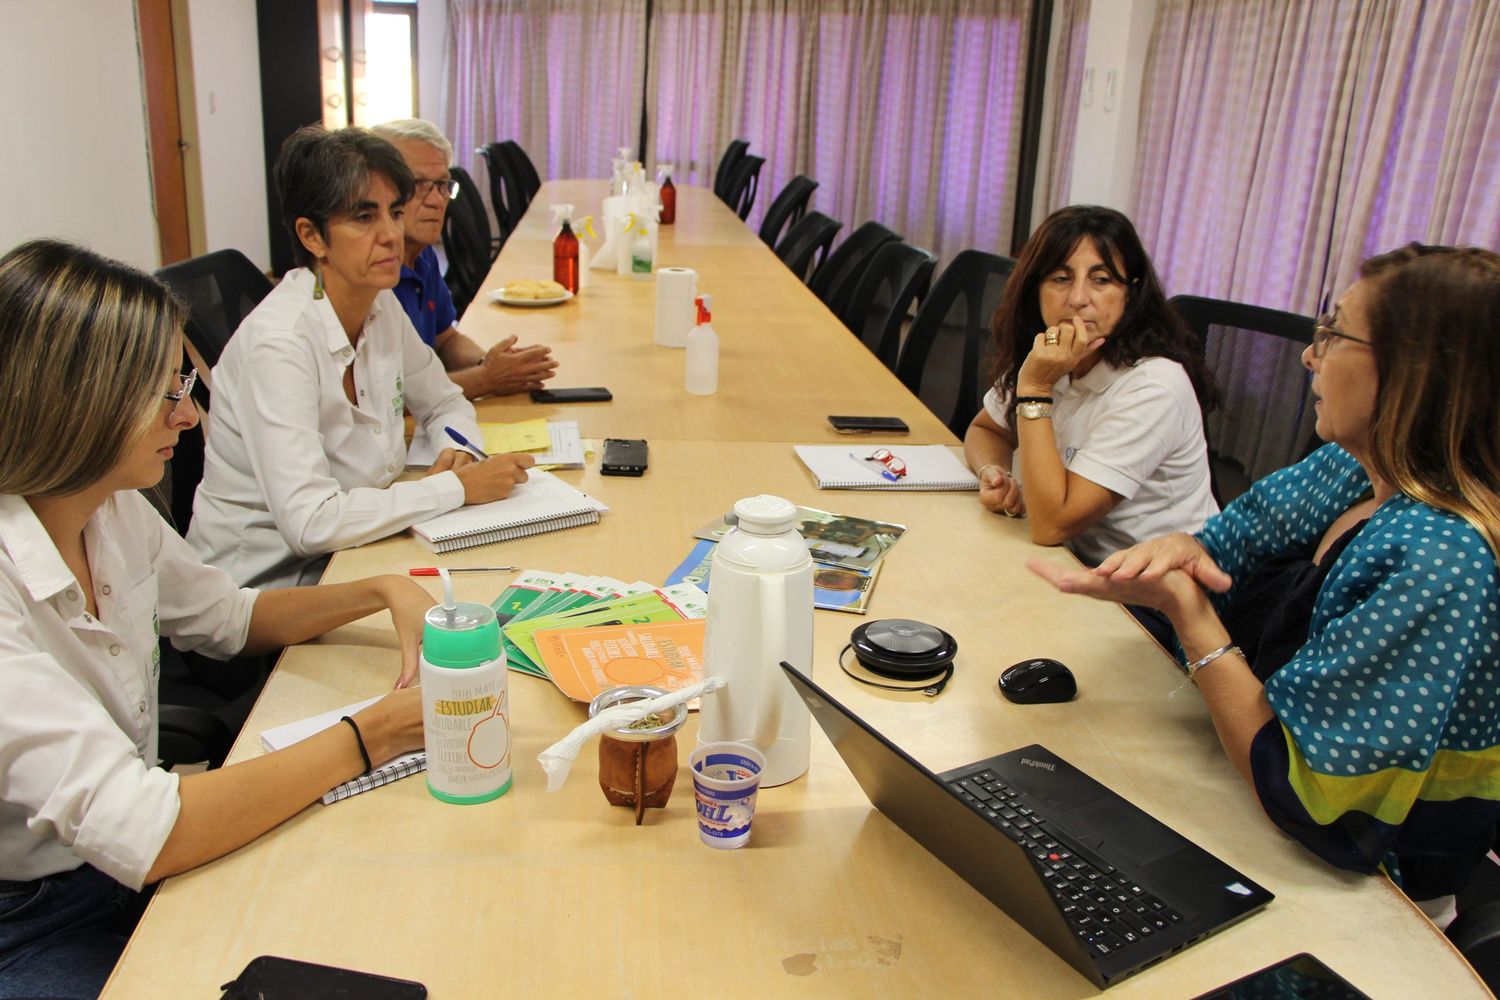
(86, 345)
(1435, 322)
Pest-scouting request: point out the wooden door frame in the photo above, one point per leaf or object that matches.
(164, 129)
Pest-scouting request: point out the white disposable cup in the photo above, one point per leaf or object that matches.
(726, 777)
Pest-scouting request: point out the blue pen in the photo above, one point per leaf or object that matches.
(464, 443)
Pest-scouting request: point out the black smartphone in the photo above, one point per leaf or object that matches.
(869, 425)
(623, 457)
(595, 394)
(1299, 976)
(272, 978)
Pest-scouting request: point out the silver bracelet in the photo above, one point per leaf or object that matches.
(1199, 664)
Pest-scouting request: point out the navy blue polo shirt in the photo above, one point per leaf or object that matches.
(425, 297)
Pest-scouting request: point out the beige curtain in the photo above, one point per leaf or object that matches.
(904, 111)
(1283, 142)
(560, 77)
(1065, 81)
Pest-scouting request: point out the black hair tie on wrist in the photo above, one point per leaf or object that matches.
(360, 739)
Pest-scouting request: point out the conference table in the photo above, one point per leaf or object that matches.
(543, 894)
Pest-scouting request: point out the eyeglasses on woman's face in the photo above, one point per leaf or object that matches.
(1325, 331)
(185, 385)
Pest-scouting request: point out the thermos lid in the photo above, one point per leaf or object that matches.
(467, 635)
(766, 515)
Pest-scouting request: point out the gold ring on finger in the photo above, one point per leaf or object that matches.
(1051, 338)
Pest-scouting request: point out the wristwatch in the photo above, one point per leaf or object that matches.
(1033, 410)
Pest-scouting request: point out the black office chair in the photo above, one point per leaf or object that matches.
(834, 281)
(806, 244)
(498, 199)
(1265, 418)
(945, 359)
(530, 182)
(731, 158)
(1476, 930)
(744, 184)
(220, 289)
(788, 207)
(466, 241)
(897, 277)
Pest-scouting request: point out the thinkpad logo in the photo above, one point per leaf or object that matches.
(1038, 763)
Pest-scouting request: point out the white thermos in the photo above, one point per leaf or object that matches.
(465, 711)
(760, 612)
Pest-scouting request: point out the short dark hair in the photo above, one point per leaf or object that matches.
(1148, 328)
(320, 174)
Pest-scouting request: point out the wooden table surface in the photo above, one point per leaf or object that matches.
(785, 362)
(559, 895)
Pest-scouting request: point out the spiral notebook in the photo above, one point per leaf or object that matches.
(928, 467)
(542, 503)
(392, 770)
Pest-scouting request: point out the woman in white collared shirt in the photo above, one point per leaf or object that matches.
(308, 437)
(1094, 428)
(89, 576)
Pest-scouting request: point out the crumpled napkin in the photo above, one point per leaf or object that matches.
(557, 760)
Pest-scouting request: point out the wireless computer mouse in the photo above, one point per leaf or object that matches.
(1037, 682)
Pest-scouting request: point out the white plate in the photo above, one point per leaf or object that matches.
(498, 295)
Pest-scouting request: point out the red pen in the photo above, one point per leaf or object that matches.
(433, 570)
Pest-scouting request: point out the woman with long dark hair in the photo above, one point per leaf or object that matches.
(1094, 427)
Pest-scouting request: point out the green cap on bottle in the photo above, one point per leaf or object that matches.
(466, 635)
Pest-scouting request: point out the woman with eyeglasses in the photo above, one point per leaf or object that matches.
(91, 406)
(308, 433)
(1094, 427)
(1340, 618)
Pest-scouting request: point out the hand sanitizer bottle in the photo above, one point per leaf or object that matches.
(702, 353)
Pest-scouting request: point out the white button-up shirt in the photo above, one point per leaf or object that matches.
(1138, 432)
(78, 781)
(293, 470)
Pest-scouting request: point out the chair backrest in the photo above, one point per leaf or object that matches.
(220, 289)
(466, 241)
(1265, 418)
(897, 276)
(530, 180)
(787, 208)
(945, 358)
(810, 238)
(834, 281)
(492, 163)
(731, 158)
(744, 184)
(520, 177)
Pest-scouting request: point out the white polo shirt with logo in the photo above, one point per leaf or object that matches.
(1137, 432)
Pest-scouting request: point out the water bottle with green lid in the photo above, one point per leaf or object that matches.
(465, 709)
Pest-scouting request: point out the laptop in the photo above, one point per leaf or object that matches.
(1109, 889)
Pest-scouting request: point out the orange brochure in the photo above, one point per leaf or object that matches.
(584, 661)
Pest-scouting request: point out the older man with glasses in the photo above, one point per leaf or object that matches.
(504, 368)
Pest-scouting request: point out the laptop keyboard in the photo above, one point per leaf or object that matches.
(1107, 910)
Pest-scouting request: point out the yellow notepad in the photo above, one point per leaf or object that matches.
(524, 435)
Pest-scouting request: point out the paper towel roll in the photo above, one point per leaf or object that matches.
(675, 289)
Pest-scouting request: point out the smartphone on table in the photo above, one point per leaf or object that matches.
(869, 425)
(592, 394)
(271, 977)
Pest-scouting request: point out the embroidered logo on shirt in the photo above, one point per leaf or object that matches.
(156, 646)
(399, 402)
(1068, 453)
(431, 306)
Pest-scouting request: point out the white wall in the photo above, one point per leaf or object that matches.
(432, 49)
(1104, 150)
(231, 155)
(75, 159)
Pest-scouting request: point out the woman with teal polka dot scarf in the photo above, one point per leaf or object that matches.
(1374, 739)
